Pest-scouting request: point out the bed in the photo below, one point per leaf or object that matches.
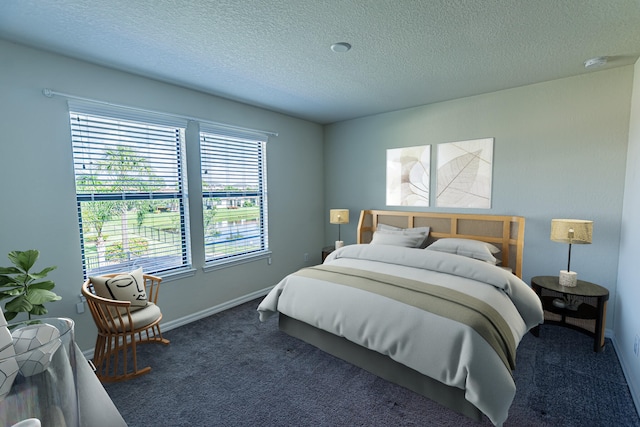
(431, 301)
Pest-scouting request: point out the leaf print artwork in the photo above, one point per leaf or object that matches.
(408, 175)
(464, 174)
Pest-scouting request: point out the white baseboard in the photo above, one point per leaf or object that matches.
(167, 326)
(633, 388)
(212, 310)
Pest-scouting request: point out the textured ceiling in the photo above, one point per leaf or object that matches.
(275, 53)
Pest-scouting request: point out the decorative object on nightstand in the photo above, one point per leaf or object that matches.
(339, 216)
(571, 231)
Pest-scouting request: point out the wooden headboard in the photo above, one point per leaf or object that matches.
(505, 232)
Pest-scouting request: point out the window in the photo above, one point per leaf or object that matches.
(130, 190)
(234, 195)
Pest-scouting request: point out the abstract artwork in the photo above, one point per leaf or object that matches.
(464, 174)
(408, 175)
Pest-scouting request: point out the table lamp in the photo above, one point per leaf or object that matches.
(571, 231)
(339, 216)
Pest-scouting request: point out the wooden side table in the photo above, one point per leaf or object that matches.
(587, 314)
(326, 251)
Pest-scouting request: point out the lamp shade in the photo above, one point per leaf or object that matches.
(339, 216)
(572, 231)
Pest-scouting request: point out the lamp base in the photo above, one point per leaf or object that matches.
(568, 278)
(339, 244)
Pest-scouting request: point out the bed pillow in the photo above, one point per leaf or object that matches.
(412, 240)
(123, 287)
(466, 247)
(407, 231)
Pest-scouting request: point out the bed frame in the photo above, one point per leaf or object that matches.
(506, 232)
(380, 365)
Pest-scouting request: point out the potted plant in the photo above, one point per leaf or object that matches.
(27, 291)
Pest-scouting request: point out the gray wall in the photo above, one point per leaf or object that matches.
(559, 152)
(627, 317)
(38, 209)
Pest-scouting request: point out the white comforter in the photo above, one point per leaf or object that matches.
(438, 347)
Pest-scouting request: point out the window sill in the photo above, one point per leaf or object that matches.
(177, 275)
(217, 265)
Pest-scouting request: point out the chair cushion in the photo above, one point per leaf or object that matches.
(140, 318)
(123, 287)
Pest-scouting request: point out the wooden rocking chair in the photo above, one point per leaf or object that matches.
(120, 328)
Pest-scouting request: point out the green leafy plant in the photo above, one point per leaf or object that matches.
(27, 290)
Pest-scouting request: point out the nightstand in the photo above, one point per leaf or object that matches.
(582, 307)
(326, 251)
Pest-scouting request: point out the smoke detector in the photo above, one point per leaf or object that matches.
(596, 62)
(341, 47)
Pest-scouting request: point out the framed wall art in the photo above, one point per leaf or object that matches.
(464, 174)
(408, 175)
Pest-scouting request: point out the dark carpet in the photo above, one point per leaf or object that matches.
(231, 370)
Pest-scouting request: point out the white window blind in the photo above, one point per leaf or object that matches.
(131, 190)
(234, 192)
